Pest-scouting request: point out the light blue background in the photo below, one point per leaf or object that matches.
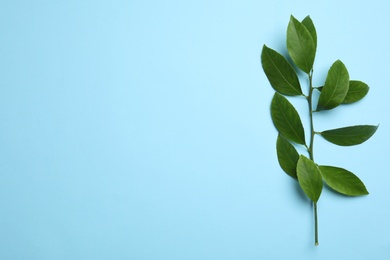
(141, 130)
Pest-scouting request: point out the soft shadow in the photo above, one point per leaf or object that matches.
(299, 192)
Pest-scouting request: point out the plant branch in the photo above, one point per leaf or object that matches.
(310, 149)
(312, 132)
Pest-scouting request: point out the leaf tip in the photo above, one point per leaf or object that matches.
(292, 18)
(376, 128)
(340, 62)
(265, 49)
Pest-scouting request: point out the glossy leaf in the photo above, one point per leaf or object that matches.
(286, 119)
(336, 87)
(357, 90)
(300, 45)
(343, 181)
(351, 135)
(280, 73)
(287, 156)
(309, 178)
(308, 23)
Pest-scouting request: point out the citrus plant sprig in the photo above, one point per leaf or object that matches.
(338, 89)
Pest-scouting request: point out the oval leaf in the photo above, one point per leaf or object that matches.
(343, 181)
(357, 90)
(280, 73)
(336, 87)
(309, 178)
(286, 119)
(300, 45)
(351, 135)
(308, 23)
(287, 156)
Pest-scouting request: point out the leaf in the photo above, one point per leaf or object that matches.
(343, 181)
(287, 156)
(300, 45)
(308, 23)
(280, 73)
(309, 178)
(351, 135)
(357, 90)
(286, 119)
(336, 87)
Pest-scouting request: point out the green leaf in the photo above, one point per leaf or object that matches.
(357, 90)
(287, 156)
(286, 119)
(280, 73)
(308, 23)
(351, 135)
(300, 45)
(336, 87)
(309, 178)
(343, 181)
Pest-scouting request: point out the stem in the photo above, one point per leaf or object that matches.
(312, 132)
(315, 224)
(310, 149)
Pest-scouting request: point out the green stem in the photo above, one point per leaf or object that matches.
(315, 224)
(312, 132)
(310, 149)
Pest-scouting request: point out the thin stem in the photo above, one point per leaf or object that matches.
(310, 149)
(315, 224)
(311, 116)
